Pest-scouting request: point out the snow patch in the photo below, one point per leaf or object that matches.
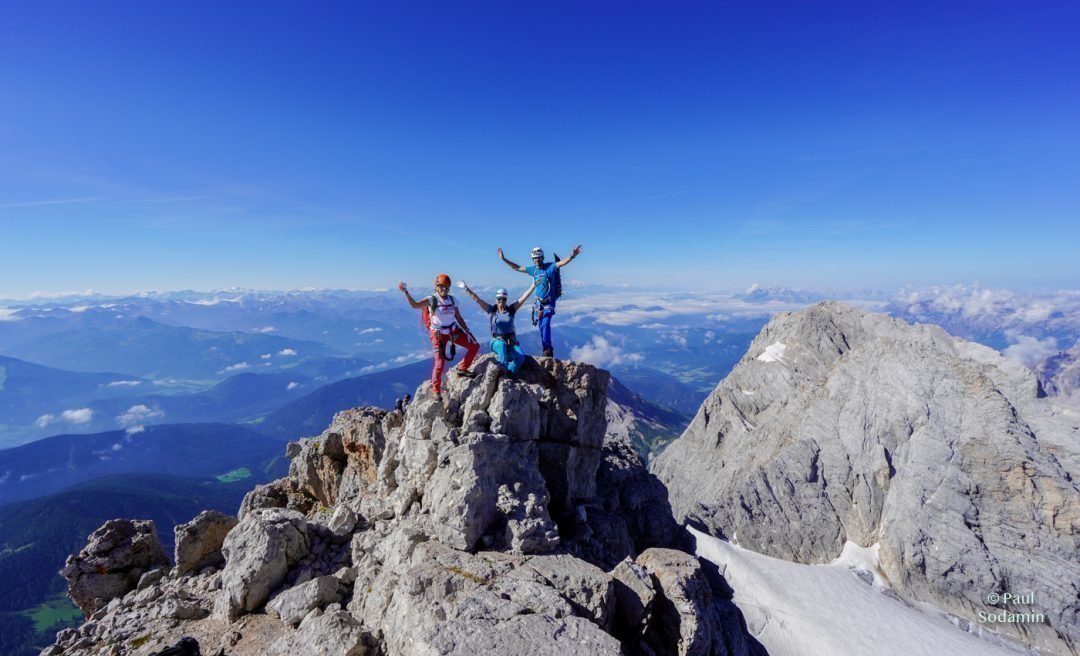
(773, 353)
(808, 610)
(124, 383)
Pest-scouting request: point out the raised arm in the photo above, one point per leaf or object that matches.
(486, 307)
(524, 297)
(510, 264)
(405, 290)
(567, 260)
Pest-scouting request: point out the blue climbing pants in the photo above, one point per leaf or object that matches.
(510, 356)
(544, 323)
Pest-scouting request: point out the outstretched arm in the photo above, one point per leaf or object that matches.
(524, 297)
(567, 260)
(405, 290)
(486, 307)
(510, 264)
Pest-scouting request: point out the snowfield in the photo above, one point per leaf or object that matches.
(843, 608)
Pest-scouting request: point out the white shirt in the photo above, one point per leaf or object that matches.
(445, 314)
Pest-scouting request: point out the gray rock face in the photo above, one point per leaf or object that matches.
(482, 524)
(293, 604)
(843, 425)
(258, 553)
(1060, 373)
(682, 605)
(198, 542)
(114, 558)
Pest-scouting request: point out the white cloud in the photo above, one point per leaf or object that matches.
(134, 430)
(602, 353)
(1030, 350)
(287, 352)
(366, 331)
(400, 360)
(239, 366)
(45, 420)
(78, 416)
(293, 385)
(124, 383)
(7, 314)
(265, 329)
(137, 415)
(266, 356)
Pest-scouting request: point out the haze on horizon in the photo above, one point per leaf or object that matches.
(274, 146)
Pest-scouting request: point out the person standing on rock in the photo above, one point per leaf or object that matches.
(447, 328)
(548, 285)
(504, 343)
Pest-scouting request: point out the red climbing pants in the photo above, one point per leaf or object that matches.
(438, 345)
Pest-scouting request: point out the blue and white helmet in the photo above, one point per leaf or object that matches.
(501, 293)
(538, 252)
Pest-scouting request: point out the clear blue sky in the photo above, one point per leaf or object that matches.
(285, 144)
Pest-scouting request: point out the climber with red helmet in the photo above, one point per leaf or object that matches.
(548, 289)
(447, 328)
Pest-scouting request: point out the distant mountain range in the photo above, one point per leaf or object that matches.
(36, 536)
(210, 450)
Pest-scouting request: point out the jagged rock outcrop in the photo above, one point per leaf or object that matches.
(488, 523)
(198, 542)
(845, 425)
(112, 562)
(258, 554)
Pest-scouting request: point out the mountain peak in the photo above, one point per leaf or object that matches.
(840, 425)
(504, 518)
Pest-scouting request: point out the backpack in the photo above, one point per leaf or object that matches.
(554, 281)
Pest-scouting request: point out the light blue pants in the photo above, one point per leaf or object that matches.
(510, 357)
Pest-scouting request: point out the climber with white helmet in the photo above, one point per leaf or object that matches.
(443, 319)
(504, 341)
(548, 283)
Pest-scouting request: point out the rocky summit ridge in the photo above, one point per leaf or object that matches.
(842, 425)
(505, 519)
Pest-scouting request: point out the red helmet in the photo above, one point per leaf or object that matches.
(442, 279)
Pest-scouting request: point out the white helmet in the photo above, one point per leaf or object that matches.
(538, 252)
(500, 293)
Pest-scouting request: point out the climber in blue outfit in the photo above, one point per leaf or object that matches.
(548, 282)
(501, 316)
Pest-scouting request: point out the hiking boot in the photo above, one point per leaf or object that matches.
(464, 373)
(548, 353)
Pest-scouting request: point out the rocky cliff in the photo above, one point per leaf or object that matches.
(507, 519)
(839, 425)
(1060, 373)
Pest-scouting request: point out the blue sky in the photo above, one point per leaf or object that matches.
(702, 145)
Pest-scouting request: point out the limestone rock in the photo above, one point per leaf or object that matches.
(334, 633)
(844, 425)
(258, 553)
(481, 523)
(682, 614)
(198, 542)
(293, 604)
(115, 557)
